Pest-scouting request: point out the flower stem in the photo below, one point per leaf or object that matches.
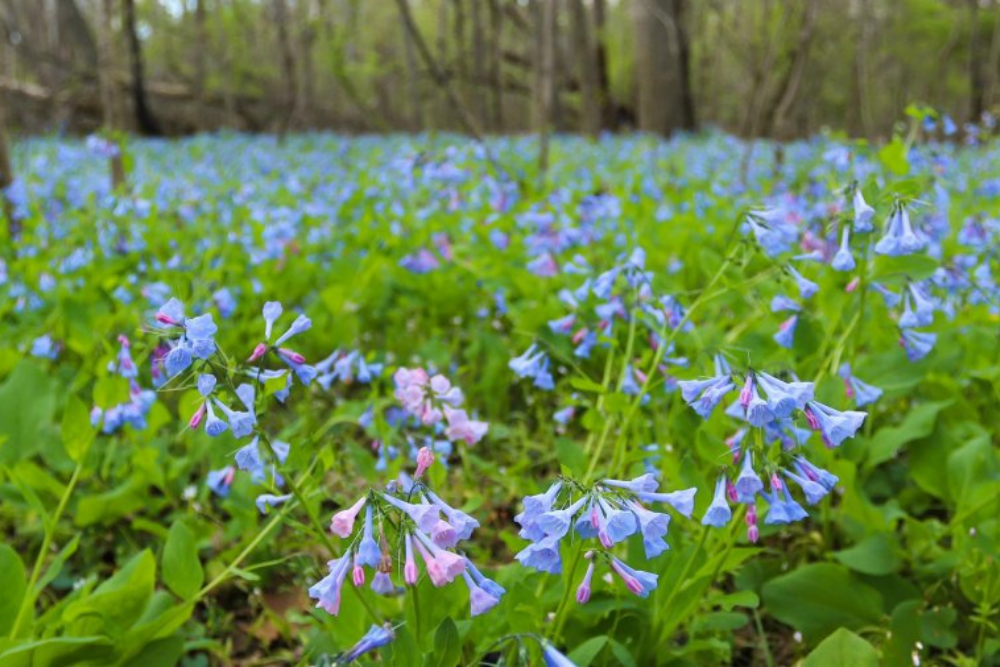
(28, 601)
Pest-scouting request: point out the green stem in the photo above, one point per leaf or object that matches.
(560, 619)
(28, 601)
(764, 645)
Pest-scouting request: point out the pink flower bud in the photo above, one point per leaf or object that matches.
(258, 352)
(853, 285)
(162, 318)
(753, 534)
(425, 457)
(358, 575)
(291, 355)
(196, 418)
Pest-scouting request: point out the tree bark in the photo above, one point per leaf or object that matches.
(662, 80)
(290, 101)
(479, 59)
(143, 115)
(201, 43)
(496, 65)
(793, 78)
(977, 86)
(545, 14)
(590, 106)
(601, 54)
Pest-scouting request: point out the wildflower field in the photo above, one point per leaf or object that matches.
(406, 401)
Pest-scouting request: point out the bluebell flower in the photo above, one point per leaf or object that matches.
(639, 582)
(863, 214)
(814, 491)
(177, 360)
(488, 585)
(807, 288)
(786, 332)
(899, 238)
(542, 555)
(563, 325)
(718, 513)
(43, 348)
(271, 312)
(704, 395)
(224, 301)
(552, 656)
(301, 324)
(891, 298)
(642, 484)
(777, 514)
(834, 425)
(862, 392)
(748, 483)
(463, 524)
(556, 523)
(618, 524)
(425, 515)
(248, 457)
(923, 305)
(327, 590)
(784, 397)
(213, 425)
(369, 554)
(843, 260)
(266, 501)
(206, 384)
(220, 480)
(781, 302)
(241, 423)
(376, 637)
(917, 344)
(682, 501)
(653, 526)
(812, 472)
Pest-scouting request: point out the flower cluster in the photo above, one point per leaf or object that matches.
(132, 412)
(610, 510)
(434, 400)
(402, 522)
(768, 406)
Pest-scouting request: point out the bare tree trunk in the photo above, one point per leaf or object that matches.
(439, 76)
(460, 62)
(143, 115)
(496, 63)
(688, 118)
(861, 69)
(991, 63)
(479, 59)
(444, 106)
(106, 67)
(287, 68)
(307, 41)
(201, 43)
(412, 85)
(6, 175)
(545, 17)
(603, 80)
(977, 87)
(793, 78)
(663, 91)
(590, 105)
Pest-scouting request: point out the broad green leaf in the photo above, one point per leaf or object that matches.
(877, 555)
(13, 583)
(585, 653)
(843, 649)
(919, 423)
(165, 652)
(117, 603)
(77, 433)
(447, 646)
(182, 571)
(27, 401)
(819, 598)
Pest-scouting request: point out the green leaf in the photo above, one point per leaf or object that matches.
(876, 555)
(447, 645)
(13, 585)
(843, 649)
(819, 598)
(893, 157)
(165, 652)
(117, 603)
(746, 599)
(182, 571)
(585, 653)
(77, 433)
(571, 456)
(586, 384)
(27, 402)
(907, 267)
(919, 423)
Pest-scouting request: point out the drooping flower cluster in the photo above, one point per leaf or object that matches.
(769, 407)
(434, 400)
(610, 510)
(401, 523)
(132, 412)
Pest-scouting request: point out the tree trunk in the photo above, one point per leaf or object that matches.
(144, 119)
(496, 64)
(977, 87)
(479, 59)
(290, 102)
(416, 120)
(590, 105)
(664, 91)
(6, 175)
(601, 54)
(793, 78)
(545, 15)
(201, 43)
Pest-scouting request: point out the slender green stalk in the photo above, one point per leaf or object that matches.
(560, 619)
(764, 644)
(28, 601)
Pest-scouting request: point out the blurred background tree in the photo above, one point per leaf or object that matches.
(756, 68)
